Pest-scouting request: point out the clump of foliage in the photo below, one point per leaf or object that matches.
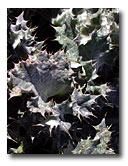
(65, 102)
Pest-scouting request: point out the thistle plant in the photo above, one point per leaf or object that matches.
(67, 96)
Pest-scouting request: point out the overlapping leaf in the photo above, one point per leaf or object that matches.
(46, 76)
(98, 145)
